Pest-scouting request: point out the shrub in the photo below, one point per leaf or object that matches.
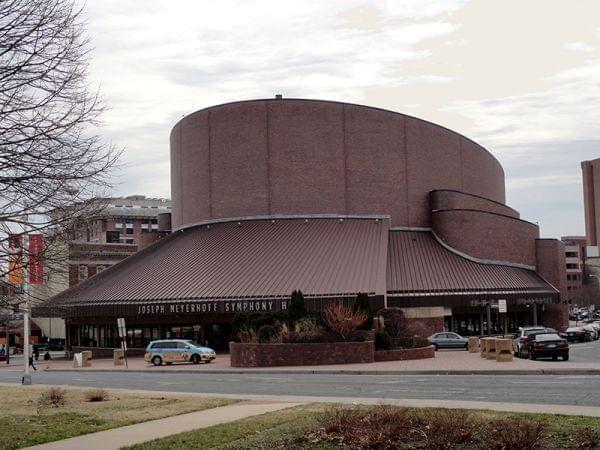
(393, 321)
(96, 395)
(383, 341)
(55, 396)
(266, 333)
(240, 321)
(411, 342)
(515, 433)
(342, 320)
(248, 336)
(305, 331)
(362, 304)
(297, 309)
(280, 317)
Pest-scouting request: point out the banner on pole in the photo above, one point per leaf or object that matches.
(15, 260)
(36, 262)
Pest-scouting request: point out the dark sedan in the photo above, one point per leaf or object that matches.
(546, 345)
(448, 340)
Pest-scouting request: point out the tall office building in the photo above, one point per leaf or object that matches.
(591, 199)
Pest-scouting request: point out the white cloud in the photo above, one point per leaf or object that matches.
(578, 47)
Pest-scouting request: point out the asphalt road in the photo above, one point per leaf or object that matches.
(540, 389)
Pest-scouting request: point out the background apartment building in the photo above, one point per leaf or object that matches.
(575, 257)
(124, 225)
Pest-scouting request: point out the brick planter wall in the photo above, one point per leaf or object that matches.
(268, 355)
(107, 352)
(405, 354)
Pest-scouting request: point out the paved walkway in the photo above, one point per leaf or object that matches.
(445, 361)
(155, 429)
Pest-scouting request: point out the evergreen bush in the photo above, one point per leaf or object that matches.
(383, 341)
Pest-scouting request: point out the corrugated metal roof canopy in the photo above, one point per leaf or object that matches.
(248, 259)
(419, 265)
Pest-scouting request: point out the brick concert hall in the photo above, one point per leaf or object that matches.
(334, 199)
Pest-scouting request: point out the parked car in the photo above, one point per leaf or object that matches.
(177, 350)
(578, 334)
(448, 340)
(596, 325)
(522, 335)
(546, 345)
(592, 331)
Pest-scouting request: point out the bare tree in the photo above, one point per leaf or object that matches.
(343, 320)
(588, 294)
(52, 162)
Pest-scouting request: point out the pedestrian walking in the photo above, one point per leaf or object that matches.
(31, 358)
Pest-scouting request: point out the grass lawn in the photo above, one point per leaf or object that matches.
(318, 426)
(28, 418)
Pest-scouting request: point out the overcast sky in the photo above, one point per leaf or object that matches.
(521, 77)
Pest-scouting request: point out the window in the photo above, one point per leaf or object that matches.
(154, 221)
(572, 266)
(83, 273)
(571, 254)
(129, 231)
(112, 237)
(129, 241)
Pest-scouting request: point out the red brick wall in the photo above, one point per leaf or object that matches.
(487, 236)
(445, 199)
(555, 316)
(300, 157)
(269, 355)
(551, 265)
(405, 354)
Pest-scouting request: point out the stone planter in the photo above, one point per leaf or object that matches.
(404, 354)
(271, 355)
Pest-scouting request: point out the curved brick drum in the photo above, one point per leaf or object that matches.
(268, 157)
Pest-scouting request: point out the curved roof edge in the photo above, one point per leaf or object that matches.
(485, 212)
(464, 255)
(339, 103)
(476, 196)
(283, 217)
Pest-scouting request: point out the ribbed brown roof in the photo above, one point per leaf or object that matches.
(419, 265)
(248, 259)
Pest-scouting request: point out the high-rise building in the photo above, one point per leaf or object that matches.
(591, 199)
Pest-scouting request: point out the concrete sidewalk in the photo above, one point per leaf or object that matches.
(445, 362)
(155, 429)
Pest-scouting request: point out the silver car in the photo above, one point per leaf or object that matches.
(448, 339)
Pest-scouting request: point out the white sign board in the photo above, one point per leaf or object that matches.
(121, 327)
(502, 306)
(77, 360)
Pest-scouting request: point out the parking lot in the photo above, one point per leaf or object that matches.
(585, 351)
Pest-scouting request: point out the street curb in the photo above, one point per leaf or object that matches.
(346, 372)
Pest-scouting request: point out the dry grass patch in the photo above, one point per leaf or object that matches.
(28, 415)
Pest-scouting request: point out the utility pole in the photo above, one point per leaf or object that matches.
(26, 380)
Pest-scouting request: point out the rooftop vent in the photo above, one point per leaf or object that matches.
(278, 96)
